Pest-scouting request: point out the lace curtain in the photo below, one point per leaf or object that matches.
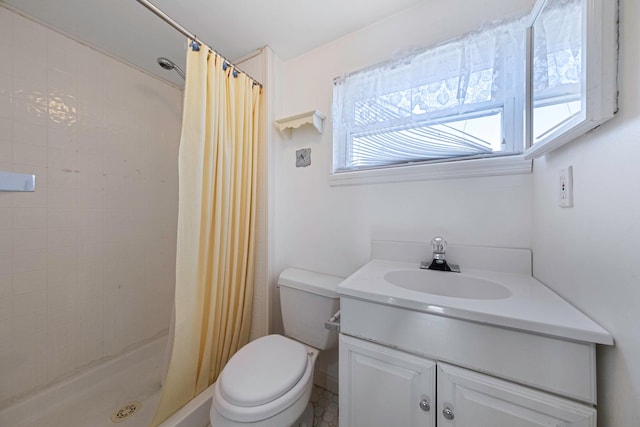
(557, 61)
(430, 105)
(557, 66)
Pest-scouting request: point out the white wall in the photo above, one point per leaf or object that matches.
(87, 260)
(329, 229)
(590, 254)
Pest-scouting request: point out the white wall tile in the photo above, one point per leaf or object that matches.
(62, 237)
(36, 199)
(6, 310)
(32, 324)
(6, 151)
(62, 197)
(5, 275)
(29, 303)
(65, 178)
(6, 218)
(29, 239)
(62, 159)
(29, 218)
(6, 198)
(31, 155)
(6, 109)
(23, 261)
(60, 134)
(30, 281)
(5, 287)
(6, 37)
(5, 241)
(6, 84)
(61, 351)
(29, 133)
(30, 113)
(74, 268)
(62, 218)
(27, 37)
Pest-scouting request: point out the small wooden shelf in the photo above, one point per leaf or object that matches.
(314, 118)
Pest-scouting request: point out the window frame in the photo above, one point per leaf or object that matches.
(600, 50)
(599, 87)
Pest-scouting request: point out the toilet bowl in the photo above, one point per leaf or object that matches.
(268, 382)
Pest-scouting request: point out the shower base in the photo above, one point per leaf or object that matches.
(92, 397)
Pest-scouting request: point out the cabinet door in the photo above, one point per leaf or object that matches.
(470, 399)
(383, 387)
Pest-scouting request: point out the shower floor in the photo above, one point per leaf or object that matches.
(94, 396)
(117, 387)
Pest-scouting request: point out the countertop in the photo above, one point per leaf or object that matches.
(532, 306)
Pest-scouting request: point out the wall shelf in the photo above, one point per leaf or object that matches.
(314, 118)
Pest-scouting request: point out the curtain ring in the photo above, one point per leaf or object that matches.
(195, 46)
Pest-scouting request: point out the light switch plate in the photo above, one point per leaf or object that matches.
(303, 157)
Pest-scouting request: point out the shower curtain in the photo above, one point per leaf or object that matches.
(218, 170)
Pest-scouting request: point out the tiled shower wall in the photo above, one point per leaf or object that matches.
(86, 261)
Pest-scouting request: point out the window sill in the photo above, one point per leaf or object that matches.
(510, 165)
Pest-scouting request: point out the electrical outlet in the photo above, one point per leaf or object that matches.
(565, 193)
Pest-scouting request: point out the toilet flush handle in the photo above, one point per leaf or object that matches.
(333, 324)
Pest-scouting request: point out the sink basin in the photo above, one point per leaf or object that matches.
(447, 284)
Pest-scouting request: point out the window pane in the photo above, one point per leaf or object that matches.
(557, 66)
(471, 136)
(449, 101)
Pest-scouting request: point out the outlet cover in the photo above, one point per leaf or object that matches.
(565, 188)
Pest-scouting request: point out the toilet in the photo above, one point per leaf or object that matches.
(268, 382)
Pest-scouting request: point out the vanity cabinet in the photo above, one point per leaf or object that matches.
(425, 348)
(477, 400)
(381, 387)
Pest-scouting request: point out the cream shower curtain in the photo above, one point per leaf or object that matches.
(218, 170)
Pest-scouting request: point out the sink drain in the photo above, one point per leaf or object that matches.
(125, 412)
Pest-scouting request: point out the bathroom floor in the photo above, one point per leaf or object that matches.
(325, 407)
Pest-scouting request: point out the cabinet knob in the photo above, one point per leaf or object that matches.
(448, 413)
(424, 405)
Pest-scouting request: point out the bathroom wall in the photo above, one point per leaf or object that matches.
(329, 229)
(590, 254)
(87, 260)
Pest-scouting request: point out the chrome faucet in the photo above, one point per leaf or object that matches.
(439, 262)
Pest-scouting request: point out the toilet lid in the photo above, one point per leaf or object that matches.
(262, 371)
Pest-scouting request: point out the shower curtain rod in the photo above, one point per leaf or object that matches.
(166, 18)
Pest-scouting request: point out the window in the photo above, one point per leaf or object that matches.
(457, 100)
(573, 62)
(467, 98)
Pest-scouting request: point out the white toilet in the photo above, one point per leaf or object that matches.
(268, 382)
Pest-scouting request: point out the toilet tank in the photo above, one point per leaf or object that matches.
(307, 300)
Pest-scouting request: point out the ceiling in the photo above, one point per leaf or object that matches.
(234, 29)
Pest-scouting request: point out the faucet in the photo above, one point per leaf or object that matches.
(439, 262)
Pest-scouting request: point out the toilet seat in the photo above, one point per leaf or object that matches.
(262, 379)
(262, 371)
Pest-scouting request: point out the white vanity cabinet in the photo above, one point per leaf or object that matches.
(413, 352)
(384, 387)
(468, 398)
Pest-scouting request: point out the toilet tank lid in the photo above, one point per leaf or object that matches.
(309, 281)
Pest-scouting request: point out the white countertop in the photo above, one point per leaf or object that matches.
(532, 306)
